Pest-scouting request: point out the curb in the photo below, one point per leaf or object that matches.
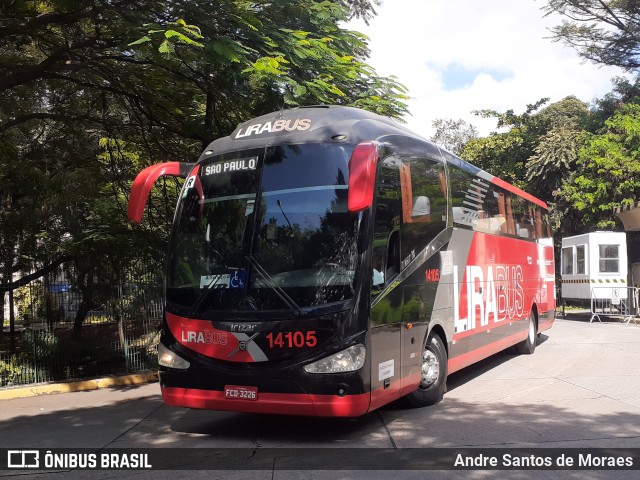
(77, 386)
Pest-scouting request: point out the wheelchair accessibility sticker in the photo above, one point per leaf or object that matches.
(234, 279)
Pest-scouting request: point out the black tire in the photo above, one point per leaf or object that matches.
(433, 383)
(528, 346)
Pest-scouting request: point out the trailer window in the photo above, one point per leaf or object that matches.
(609, 259)
(567, 261)
(581, 259)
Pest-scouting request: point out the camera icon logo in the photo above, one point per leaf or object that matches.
(23, 459)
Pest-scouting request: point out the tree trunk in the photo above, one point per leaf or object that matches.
(47, 302)
(209, 119)
(81, 314)
(12, 324)
(2, 295)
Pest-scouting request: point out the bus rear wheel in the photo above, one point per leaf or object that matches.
(528, 346)
(433, 378)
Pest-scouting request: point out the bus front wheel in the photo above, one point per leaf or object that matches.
(528, 346)
(433, 378)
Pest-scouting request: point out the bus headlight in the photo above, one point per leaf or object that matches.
(348, 360)
(167, 358)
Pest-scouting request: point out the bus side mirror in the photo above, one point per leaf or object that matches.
(144, 182)
(192, 197)
(362, 176)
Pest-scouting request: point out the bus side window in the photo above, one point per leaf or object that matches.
(388, 211)
(424, 203)
(465, 213)
(522, 218)
(492, 218)
(540, 233)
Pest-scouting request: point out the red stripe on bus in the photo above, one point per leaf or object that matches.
(276, 403)
(200, 336)
(466, 359)
(513, 189)
(397, 388)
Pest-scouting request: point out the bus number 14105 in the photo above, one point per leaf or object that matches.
(292, 339)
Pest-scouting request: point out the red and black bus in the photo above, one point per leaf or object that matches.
(326, 261)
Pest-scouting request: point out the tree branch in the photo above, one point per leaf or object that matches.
(26, 74)
(33, 276)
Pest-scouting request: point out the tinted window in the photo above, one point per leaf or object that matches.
(387, 216)
(424, 203)
(522, 218)
(466, 200)
(272, 224)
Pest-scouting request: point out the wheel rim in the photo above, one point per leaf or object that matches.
(430, 369)
(532, 330)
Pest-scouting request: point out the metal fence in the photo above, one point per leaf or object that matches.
(617, 302)
(119, 333)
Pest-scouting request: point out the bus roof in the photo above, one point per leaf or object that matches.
(309, 125)
(332, 123)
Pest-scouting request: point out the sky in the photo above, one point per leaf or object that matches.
(456, 56)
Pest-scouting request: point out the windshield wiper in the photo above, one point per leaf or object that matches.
(204, 295)
(293, 306)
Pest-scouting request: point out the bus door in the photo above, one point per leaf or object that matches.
(424, 215)
(386, 296)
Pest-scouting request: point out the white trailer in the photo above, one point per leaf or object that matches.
(597, 259)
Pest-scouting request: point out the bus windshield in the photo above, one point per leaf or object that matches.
(269, 229)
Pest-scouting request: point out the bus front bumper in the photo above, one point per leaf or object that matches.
(275, 403)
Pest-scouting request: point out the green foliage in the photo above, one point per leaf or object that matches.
(307, 61)
(168, 35)
(453, 134)
(568, 112)
(538, 149)
(16, 371)
(624, 91)
(553, 158)
(608, 170)
(25, 297)
(91, 92)
(505, 153)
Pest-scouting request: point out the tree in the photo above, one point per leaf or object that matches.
(553, 158)
(602, 31)
(556, 151)
(539, 149)
(453, 134)
(505, 153)
(92, 91)
(290, 54)
(364, 9)
(607, 171)
(624, 91)
(196, 82)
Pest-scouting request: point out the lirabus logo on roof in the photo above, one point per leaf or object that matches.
(290, 125)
